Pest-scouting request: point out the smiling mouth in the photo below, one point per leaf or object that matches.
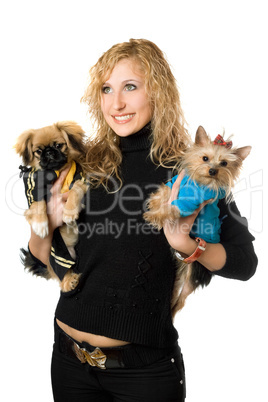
(124, 119)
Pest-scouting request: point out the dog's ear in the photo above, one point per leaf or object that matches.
(23, 146)
(74, 134)
(201, 137)
(243, 152)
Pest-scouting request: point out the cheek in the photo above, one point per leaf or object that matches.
(144, 105)
(196, 166)
(35, 163)
(202, 169)
(149, 111)
(104, 105)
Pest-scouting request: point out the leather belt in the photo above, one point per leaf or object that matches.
(127, 356)
(95, 359)
(106, 358)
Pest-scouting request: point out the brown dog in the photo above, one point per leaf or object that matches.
(211, 169)
(48, 151)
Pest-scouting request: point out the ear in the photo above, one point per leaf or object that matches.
(243, 152)
(74, 132)
(24, 146)
(201, 137)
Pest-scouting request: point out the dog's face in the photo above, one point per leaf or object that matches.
(51, 147)
(213, 165)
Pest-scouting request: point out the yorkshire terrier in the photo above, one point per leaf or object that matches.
(47, 151)
(211, 169)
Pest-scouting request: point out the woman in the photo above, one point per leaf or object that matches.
(114, 336)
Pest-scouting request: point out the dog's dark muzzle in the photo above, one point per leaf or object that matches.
(52, 158)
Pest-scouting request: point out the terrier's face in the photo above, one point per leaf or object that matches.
(213, 165)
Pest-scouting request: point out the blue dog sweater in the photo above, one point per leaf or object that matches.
(207, 224)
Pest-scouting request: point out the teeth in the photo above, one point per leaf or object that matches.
(126, 117)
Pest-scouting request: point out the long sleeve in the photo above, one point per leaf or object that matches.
(60, 258)
(241, 260)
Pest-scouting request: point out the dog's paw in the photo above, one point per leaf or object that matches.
(40, 228)
(70, 215)
(74, 281)
(69, 282)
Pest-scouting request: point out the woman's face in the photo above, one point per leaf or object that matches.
(124, 102)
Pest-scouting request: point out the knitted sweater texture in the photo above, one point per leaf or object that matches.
(127, 267)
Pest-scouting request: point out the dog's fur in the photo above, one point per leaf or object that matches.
(53, 147)
(207, 164)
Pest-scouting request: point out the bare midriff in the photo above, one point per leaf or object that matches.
(92, 339)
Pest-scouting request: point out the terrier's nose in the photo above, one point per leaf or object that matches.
(212, 172)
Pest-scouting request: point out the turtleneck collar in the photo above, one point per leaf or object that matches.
(138, 141)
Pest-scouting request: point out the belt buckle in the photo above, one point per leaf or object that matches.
(96, 358)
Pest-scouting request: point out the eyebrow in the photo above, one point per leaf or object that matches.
(125, 81)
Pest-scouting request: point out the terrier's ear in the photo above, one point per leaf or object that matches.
(243, 152)
(201, 137)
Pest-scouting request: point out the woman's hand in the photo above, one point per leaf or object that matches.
(57, 201)
(178, 233)
(41, 248)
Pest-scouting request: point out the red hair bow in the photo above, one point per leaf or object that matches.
(220, 141)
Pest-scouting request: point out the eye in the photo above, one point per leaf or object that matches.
(205, 158)
(130, 87)
(106, 90)
(58, 145)
(223, 163)
(38, 152)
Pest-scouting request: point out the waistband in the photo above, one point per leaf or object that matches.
(127, 356)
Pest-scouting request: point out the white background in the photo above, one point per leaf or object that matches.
(218, 52)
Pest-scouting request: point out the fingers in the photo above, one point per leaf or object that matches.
(201, 206)
(65, 196)
(56, 188)
(176, 187)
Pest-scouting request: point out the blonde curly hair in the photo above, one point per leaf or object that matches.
(170, 137)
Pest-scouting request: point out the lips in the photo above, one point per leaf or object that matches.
(123, 118)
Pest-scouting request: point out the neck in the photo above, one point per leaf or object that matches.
(137, 141)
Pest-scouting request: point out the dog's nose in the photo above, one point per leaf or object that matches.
(212, 172)
(49, 152)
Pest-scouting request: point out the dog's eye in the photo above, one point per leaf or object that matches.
(205, 158)
(38, 152)
(223, 163)
(58, 146)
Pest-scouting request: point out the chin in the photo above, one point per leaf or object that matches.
(124, 133)
(127, 129)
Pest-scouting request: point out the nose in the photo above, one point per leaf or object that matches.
(118, 101)
(212, 172)
(49, 152)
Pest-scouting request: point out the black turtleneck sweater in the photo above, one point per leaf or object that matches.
(127, 267)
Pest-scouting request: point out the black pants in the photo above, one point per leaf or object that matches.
(161, 381)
